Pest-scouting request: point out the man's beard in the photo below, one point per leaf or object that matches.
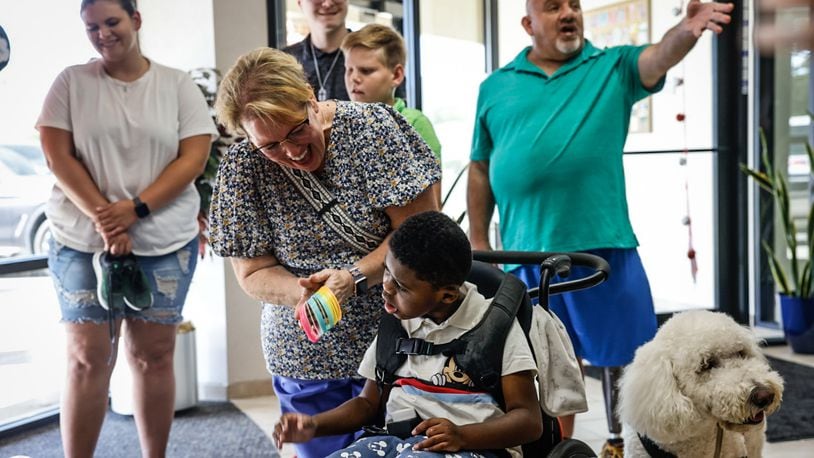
(568, 47)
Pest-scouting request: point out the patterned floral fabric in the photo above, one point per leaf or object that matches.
(373, 160)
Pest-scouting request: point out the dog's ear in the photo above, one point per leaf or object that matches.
(650, 399)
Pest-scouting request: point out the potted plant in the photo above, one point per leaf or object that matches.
(794, 284)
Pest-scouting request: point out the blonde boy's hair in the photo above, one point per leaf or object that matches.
(377, 36)
(264, 84)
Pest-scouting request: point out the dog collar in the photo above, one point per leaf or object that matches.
(653, 449)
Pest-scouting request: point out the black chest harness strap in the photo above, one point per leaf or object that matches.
(478, 352)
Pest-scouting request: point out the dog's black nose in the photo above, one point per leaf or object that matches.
(761, 397)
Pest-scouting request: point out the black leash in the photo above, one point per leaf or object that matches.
(110, 320)
(657, 452)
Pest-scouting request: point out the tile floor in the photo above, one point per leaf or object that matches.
(590, 426)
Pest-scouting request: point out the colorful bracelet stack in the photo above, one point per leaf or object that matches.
(319, 314)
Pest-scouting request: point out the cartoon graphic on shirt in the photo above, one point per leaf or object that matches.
(451, 374)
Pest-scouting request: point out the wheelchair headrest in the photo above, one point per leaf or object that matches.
(486, 277)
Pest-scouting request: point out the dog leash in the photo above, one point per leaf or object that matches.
(655, 451)
(719, 438)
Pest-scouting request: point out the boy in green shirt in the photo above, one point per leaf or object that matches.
(375, 57)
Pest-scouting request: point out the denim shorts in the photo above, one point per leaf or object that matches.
(168, 275)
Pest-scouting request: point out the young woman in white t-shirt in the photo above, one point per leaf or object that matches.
(126, 138)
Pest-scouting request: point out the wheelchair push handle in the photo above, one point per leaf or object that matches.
(552, 263)
(558, 264)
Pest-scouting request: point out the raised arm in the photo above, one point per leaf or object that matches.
(480, 203)
(655, 60)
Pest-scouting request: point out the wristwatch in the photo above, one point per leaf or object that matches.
(142, 210)
(359, 280)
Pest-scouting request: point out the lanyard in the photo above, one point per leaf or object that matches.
(322, 94)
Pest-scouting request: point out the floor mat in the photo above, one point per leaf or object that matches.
(795, 418)
(212, 429)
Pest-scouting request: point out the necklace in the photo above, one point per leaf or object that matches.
(322, 94)
(327, 118)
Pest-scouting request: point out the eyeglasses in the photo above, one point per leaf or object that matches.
(294, 136)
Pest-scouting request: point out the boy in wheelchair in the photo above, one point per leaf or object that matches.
(432, 407)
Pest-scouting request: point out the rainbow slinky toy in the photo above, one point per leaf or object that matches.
(319, 314)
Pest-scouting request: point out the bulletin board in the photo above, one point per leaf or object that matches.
(623, 23)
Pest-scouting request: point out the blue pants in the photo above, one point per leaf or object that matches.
(312, 397)
(394, 447)
(608, 322)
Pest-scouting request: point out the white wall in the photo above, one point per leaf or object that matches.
(246, 361)
(178, 33)
(189, 34)
(240, 26)
(435, 19)
(206, 309)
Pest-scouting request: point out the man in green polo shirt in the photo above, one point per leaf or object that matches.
(547, 149)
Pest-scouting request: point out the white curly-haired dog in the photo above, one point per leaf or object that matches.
(701, 373)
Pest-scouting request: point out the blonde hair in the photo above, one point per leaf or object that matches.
(264, 84)
(377, 36)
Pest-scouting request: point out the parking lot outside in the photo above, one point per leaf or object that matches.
(32, 364)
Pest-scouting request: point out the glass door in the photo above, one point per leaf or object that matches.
(785, 104)
(31, 339)
(453, 64)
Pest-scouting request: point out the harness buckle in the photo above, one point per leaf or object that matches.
(413, 347)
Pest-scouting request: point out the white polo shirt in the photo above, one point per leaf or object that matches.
(429, 396)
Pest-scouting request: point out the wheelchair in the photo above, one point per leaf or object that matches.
(488, 278)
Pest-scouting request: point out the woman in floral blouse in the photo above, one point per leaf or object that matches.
(377, 169)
